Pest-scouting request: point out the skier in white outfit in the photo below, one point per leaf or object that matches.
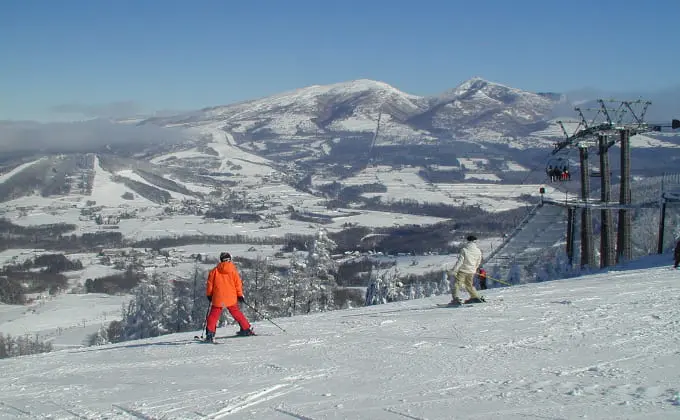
(464, 270)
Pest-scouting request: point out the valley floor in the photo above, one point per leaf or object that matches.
(602, 347)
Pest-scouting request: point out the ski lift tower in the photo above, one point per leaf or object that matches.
(614, 121)
(375, 136)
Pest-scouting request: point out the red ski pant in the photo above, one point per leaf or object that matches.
(234, 310)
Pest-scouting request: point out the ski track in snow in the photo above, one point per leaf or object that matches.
(224, 144)
(603, 346)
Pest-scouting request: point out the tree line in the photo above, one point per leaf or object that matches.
(36, 275)
(21, 346)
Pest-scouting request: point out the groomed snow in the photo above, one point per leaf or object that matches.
(473, 163)
(184, 154)
(130, 174)
(407, 183)
(645, 142)
(106, 192)
(599, 347)
(66, 319)
(482, 176)
(8, 175)
(383, 219)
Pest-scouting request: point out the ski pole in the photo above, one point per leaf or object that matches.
(263, 316)
(498, 281)
(205, 320)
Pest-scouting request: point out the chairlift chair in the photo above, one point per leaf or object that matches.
(558, 169)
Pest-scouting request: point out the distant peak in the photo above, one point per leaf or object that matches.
(478, 82)
(363, 83)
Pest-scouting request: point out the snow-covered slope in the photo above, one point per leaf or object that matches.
(601, 347)
(354, 106)
(65, 320)
(483, 110)
(348, 106)
(106, 192)
(406, 183)
(18, 169)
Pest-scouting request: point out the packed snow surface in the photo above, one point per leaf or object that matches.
(8, 175)
(600, 347)
(65, 320)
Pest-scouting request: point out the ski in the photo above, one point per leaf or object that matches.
(201, 340)
(242, 336)
(462, 305)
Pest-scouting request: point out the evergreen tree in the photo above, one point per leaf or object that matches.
(199, 306)
(263, 289)
(320, 273)
(181, 316)
(385, 287)
(645, 232)
(295, 291)
(148, 313)
(495, 274)
(515, 274)
(98, 338)
(444, 284)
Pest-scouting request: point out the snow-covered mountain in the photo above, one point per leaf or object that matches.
(350, 106)
(326, 131)
(481, 110)
(603, 346)
(475, 110)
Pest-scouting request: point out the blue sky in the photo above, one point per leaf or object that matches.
(108, 56)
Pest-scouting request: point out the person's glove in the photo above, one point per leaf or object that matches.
(209, 298)
(242, 299)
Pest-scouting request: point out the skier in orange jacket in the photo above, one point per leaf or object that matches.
(481, 275)
(224, 289)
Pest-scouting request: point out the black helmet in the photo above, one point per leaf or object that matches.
(225, 256)
(471, 238)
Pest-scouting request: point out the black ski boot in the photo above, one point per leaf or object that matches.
(245, 333)
(455, 302)
(475, 300)
(209, 337)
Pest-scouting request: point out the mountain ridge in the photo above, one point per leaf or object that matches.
(476, 109)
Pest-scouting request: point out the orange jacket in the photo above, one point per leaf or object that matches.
(224, 285)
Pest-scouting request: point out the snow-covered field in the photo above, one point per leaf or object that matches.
(8, 175)
(65, 320)
(231, 155)
(601, 347)
(151, 222)
(642, 141)
(108, 193)
(383, 219)
(407, 184)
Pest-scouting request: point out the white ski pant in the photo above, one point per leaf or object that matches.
(464, 280)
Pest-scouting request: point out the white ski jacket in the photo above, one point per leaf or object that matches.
(469, 259)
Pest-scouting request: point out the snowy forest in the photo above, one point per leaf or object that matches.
(159, 306)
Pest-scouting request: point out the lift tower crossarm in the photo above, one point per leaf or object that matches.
(641, 118)
(603, 107)
(582, 135)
